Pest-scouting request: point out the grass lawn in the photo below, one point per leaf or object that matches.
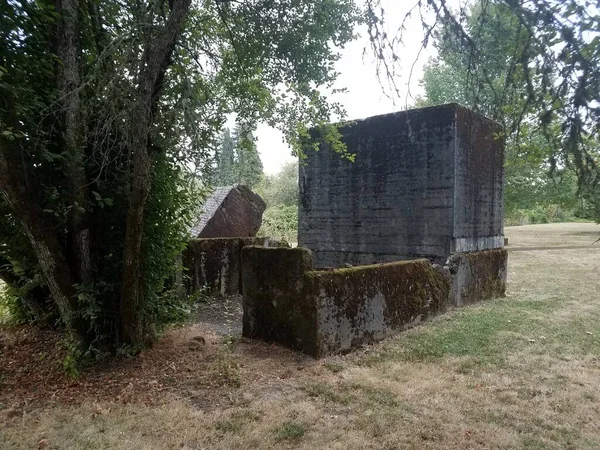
(522, 372)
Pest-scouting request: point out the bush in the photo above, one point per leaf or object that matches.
(540, 214)
(280, 222)
(12, 310)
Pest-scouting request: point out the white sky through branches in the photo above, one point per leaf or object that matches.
(365, 96)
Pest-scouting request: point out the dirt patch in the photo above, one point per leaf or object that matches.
(221, 314)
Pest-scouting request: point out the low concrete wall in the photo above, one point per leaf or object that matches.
(477, 276)
(214, 264)
(324, 312)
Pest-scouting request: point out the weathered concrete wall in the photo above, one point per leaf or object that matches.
(365, 304)
(214, 264)
(279, 304)
(424, 183)
(230, 211)
(477, 276)
(324, 312)
(478, 186)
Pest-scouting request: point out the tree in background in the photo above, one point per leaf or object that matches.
(281, 189)
(554, 67)
(249, 166)
(280, 193)
(532, 182)
(103, 108)
(225, 161)
(237, 160)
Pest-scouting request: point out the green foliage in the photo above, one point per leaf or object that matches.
(237, 160)
(534, 66)
(226, 167)
(12, 310)
(260, 60)
(280, 189)
(281, 222)
(280, 193)
(496, 87)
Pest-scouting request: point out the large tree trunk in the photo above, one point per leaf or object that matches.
(69, 83)
(48, 250)
(155, 62)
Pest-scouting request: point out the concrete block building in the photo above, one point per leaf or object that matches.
(424, 183)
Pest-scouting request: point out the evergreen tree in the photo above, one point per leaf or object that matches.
(237, 160)
(226, 165)
(249, 168)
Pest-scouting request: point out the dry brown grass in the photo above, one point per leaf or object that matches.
(520, 372)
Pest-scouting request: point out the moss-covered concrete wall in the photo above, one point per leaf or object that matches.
(332, 311)
(279, 304)
(214, 264)
(367, 303)
(477, 276)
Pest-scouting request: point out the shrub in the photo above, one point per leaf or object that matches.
(281, 222)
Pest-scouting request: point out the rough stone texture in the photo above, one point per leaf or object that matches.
(279, 305)
(214, 264)
(324, 312)
(424, 183)
(365, 304)
(477, 276)
(232, 211)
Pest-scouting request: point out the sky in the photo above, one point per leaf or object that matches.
(365, 96)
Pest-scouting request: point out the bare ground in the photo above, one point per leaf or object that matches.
(519, 372)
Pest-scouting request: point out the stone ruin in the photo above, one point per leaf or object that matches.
(230, 211)
(230, 219)
(425, 183)
(411, 228)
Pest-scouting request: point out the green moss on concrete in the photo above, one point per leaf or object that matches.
(279, 305)
(411, 291)
(479, 275)
(322, 312)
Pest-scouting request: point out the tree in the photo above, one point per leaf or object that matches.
(449, 78)
(237, 160)
(225, 170)
(249, 165)
(281, 189)
(556, 65)
(280, 193)
(104, 107)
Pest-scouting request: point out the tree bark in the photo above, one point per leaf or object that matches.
(49, 253)
(157, 54)
(69, 83)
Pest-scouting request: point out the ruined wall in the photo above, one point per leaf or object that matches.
(477, 276)
(365, 304)
(424, 183)
(324, 312)
(214, 264)
(279, 305)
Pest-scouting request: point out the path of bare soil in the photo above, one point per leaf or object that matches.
(519, 372)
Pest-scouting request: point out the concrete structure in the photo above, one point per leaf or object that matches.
(231, 211)
(214, 264)
(425, 183)
(332, 311)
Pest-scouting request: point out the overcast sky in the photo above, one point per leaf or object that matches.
(365, 96)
